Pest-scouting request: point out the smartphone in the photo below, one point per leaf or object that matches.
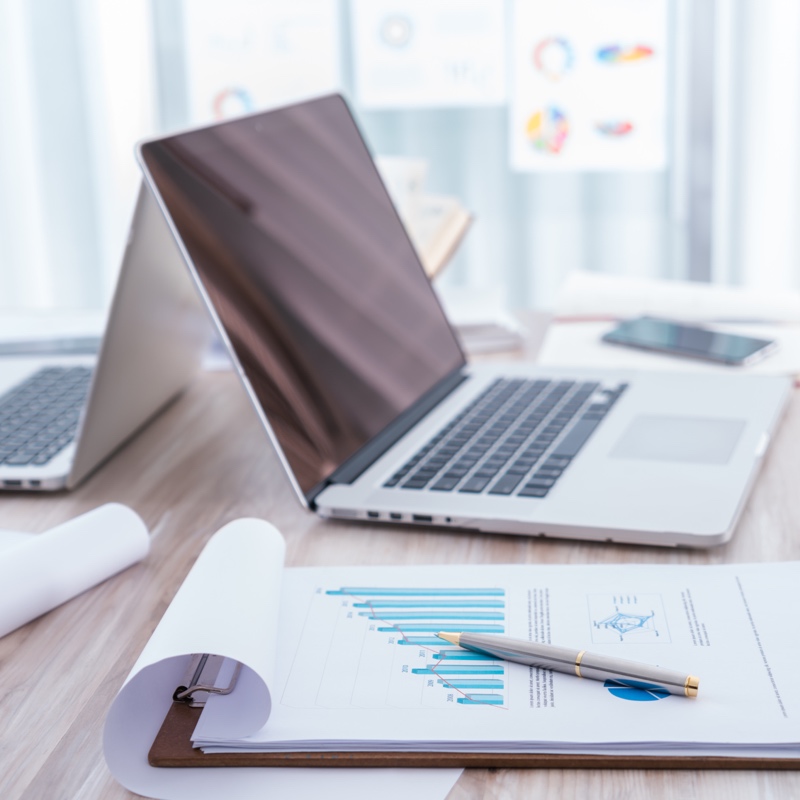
(664, 336)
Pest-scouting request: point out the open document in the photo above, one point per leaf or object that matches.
(235, 583)
(347, 658)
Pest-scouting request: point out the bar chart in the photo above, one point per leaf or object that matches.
(372, 647)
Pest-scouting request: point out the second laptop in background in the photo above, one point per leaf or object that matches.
(62, 416)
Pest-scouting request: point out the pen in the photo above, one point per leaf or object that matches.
(575, 662)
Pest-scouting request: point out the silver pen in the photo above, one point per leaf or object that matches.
(575, 662)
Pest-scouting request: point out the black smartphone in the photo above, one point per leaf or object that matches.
(664, 336)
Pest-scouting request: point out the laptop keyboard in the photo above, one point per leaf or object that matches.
(516, 438)
(39, 417)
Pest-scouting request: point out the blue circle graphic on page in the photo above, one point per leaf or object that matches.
(636, 690)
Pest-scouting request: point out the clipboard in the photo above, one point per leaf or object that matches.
(172, 746)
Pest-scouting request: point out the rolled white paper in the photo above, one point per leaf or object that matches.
(52, 567)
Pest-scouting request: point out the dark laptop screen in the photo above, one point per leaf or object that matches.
(311, 274)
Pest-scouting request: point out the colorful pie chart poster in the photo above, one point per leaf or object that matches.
(248, 55)
(589, 88)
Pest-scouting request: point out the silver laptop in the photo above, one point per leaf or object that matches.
(61, 417)
(360, 382)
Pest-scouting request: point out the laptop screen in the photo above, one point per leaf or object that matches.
(310, 273)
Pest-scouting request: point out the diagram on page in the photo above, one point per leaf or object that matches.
(376, 647)
(628, 617)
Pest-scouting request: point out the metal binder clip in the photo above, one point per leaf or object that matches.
(200, 678)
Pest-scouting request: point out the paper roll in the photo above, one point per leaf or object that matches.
(52, 567)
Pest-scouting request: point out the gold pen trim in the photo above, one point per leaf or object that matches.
(578, 663)
(691, 686)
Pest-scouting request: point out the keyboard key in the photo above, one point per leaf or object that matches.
(415, 483)
(576, 438)
(540, 483)
(533, 451)
(535, 491)
(506, 484)
(518, 469)
(475, 485)
(19, 459)
(548, 473)
(445, 484)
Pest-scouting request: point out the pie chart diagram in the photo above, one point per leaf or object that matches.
(638, 691)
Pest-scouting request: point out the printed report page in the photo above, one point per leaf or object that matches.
(359, 664)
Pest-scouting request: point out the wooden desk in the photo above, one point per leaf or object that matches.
(206, 461)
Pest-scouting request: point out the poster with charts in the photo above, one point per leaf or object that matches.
(429, 53)
(247, 55)
(589, 85)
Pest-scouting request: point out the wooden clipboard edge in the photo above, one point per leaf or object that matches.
(172, 748)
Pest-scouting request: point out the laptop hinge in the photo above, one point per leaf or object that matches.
(369, 453)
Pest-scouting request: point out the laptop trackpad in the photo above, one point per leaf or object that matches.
(689, 439)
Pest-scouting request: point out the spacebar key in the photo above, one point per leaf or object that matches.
(576, 438)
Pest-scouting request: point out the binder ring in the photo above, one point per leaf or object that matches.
(184, 694)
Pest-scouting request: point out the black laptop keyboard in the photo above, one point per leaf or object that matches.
(39, 417)
(516, 438)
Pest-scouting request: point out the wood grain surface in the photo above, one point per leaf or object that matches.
(206, 461)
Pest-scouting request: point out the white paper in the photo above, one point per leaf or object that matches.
(252, 55)
(228, 605)
(358, 661)
(592, 294)
(589, 88)
(42, 571)
(423, 53)
(9, 539)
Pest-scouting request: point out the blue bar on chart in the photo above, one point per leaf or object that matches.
(486, 684)
(360, 591)
(463, 628)
(461, 655)
(435, 669)
(481, 700)
(416, 640)
(465, 603)
(431, 614)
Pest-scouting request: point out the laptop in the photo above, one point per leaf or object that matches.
(363, 389)
(61, 417)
